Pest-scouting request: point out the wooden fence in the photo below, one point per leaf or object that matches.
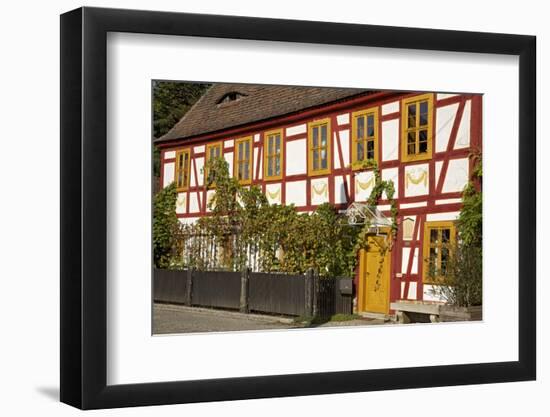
(293, 295)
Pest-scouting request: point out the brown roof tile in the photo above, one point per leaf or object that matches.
(259, 102)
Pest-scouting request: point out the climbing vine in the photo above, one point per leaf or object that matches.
(379, 188)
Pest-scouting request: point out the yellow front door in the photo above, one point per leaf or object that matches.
(374, 276)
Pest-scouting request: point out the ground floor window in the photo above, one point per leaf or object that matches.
(439, 238)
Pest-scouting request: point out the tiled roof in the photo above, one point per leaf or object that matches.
(254, 103)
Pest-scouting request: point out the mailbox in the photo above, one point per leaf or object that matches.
(346, 286)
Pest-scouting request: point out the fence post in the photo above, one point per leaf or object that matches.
(309, 293)
(315, 297)
(189, 293)
(245, 275)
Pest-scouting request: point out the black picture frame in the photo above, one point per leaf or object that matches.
(84, 207)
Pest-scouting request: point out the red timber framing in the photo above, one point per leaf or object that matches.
(430, 203)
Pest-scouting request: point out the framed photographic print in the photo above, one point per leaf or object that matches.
(240, 196)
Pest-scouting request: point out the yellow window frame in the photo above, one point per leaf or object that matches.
(209, 146)
(268, 156)
(405, 157)
(355, 162)
(439, 226)
(237, 160)
(311, 149)
(185, 169)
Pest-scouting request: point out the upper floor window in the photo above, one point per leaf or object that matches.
(183, 164)
(273, 154)
(438, 240)
(319, 147)
(364, 137)
(417, 116)
(213, 150)
(243, 160)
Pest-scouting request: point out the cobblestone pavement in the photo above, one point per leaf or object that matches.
(169, 318)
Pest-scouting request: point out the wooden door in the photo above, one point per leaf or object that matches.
(374, 276)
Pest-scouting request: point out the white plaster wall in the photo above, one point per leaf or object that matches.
(441, 96)
(296, 193)
(255, 163)
(169, 154)
(168, 175)
(444, 120)
(457, 175)
(274, 193)
(229, 143)
(296, 130)
(199, 162)
(199, 149)
(335, 151)
(389, 108)
(463, 134)
(412, 291)
(257, 137)
(193, 203)
(296, 157)
(319, 191)
(415, 172)
(363, 178)
(393, 175)
(344, 144)
(442, 217)
(229, 159)
(449, 201)
(390, 140)
(405, 260)
(181, 201)
(342, 119)
(339, 189)
(413, 205)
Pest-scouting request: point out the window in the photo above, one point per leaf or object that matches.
(438, 240)
(231, 96)
(273, 155)
(319, 147)
(364, 137)
(416, 126)
(183, 164)
(242, 168)
(213, 150)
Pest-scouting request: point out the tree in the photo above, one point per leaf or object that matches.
(166, 229)
(171, 100)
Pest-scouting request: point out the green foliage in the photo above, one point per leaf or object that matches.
(171, 100)
(166, 229)
(283, 239)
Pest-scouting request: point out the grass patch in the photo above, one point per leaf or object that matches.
(309, 321)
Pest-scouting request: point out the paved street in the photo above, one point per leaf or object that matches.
(169, 318)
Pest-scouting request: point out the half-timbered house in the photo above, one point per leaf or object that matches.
(305, 146)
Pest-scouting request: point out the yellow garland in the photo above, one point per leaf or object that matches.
(180, 201)
(320, 191)
(421, 178)
(274, 195)
(364, 185)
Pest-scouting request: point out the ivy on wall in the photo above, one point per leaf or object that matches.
(241, 223)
